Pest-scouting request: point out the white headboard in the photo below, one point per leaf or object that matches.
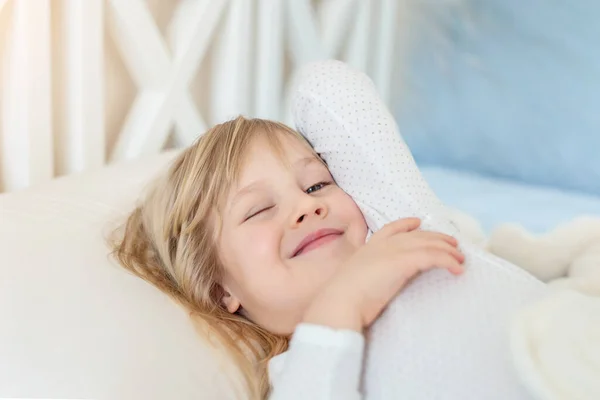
(87, 82)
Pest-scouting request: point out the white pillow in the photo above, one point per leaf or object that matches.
(74, 324)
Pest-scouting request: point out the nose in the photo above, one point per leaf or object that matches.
(310, 207)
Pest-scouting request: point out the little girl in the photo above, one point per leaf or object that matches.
(249, 231)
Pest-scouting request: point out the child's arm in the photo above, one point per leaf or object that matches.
(339, 111)
(325, 356)
(321, 363)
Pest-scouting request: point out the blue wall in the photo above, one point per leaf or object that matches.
(507, 88)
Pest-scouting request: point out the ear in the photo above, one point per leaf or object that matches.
(231, 303)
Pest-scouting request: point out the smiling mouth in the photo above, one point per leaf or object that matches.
(319, 239)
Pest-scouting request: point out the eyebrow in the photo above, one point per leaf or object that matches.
(246, 190)
(303, 162)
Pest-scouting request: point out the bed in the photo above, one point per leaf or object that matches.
(493, 201)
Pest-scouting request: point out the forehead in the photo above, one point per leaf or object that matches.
(265, 155)
(283, 151)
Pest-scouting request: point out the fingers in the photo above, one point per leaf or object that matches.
(429, 236)
(442, 259)
(438, 255)
(453, 263)
(425, 250)
(447, 248)
(406, 225)
(420, 239)
(399, 226)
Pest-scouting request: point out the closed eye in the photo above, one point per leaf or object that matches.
(255, 213)
(316, 187)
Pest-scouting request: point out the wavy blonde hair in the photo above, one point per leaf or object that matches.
(170, 240)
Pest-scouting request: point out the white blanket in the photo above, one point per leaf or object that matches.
(556, 341)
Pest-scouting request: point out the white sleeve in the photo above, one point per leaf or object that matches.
(321, 364)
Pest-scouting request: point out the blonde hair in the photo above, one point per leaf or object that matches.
(170, 240)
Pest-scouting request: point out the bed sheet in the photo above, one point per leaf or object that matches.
(494, 201)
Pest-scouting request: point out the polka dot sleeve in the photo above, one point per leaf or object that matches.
(443, 337)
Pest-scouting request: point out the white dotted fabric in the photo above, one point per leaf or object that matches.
(444, 337)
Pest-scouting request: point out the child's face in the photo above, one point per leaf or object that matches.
(271, 211)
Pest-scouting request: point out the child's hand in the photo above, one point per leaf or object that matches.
(370, 279)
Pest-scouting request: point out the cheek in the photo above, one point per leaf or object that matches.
(263, 241)
(351, 214)
(253, 249)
